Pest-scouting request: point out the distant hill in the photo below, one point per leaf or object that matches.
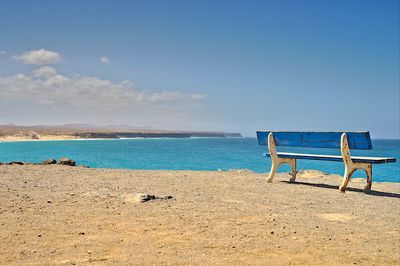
(87, 131)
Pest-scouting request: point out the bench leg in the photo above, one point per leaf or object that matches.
(274, 166)
(276, 162)
(346, 178)
(294, 170)
(349, 172)
(368, 170)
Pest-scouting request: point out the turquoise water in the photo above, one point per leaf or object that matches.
(189, 154)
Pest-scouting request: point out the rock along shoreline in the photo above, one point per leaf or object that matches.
(61, 161)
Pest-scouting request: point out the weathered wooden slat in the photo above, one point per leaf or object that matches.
(336, 158)
(357, 140)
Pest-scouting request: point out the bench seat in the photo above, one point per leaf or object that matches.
(336, 158)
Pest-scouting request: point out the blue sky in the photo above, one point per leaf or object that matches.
(211, 65)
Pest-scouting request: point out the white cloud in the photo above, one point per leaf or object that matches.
(2, 53)
(104, 60)
(197, 96)
(39, 57)
(46, 95)
(44, 72)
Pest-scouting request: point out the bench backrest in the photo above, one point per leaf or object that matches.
(356, 140)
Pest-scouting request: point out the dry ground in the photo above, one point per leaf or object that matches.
(73, 215)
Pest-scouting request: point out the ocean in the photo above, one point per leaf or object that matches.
(190, 154)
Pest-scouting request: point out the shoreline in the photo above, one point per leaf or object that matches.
(23, 133)
(52, 139)
(56, 214)
(7, 140)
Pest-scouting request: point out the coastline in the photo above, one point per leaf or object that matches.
(28, 133)
(42, 138)
(50, 138)
(71, 215)
(68, 138)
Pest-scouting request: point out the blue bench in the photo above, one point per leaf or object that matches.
(334, 140)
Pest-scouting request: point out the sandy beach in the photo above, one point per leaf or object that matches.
(42, 138)
(66, 215)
